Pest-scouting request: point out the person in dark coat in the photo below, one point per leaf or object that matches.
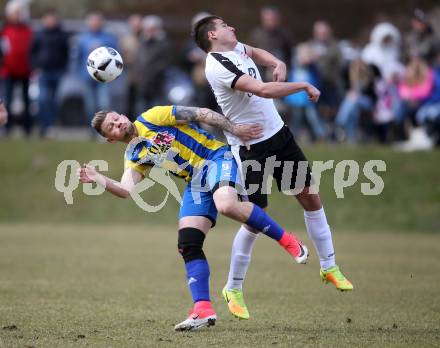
(49, 57)
(272, 37)
(155, 56)
(421, 41)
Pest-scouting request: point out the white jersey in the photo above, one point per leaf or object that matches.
(222, 72)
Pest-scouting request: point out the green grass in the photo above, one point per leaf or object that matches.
(409, 202)
(114, 286)
(102, 272)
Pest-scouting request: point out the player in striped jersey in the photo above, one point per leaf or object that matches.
(164, 136)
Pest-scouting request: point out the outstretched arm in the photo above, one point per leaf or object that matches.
(121, 189)
(246, 83)
(245, 132)
(264, 58)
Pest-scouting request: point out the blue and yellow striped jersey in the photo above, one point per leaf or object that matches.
(179, 148)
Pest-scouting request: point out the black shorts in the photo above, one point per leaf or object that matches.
(289, 174)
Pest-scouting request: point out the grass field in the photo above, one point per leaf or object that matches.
(103, 273)
(409, 202)
(112, 286)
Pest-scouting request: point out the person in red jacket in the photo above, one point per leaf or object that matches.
(16, 37)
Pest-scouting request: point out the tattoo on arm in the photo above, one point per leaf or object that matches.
(186, 113)
(204, 115)
(215, 119)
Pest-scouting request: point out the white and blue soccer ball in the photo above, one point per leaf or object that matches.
(104, 64)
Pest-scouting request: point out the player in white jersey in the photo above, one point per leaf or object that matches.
(222, 71)
(245, 98)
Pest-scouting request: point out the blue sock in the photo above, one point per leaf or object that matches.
(264, 223)
(197, 273)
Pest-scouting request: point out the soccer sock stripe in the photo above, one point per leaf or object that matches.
(319, 231)
(262, 222)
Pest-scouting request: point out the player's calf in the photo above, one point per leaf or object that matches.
(190, 246)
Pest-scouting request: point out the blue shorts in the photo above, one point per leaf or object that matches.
(198, 196)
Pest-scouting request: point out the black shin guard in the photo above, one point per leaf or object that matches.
(190, 244)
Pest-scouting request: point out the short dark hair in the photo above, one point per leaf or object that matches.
(201, 29)
(97, 120)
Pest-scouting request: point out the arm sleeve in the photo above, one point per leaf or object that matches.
(161, 115)
(226, 72)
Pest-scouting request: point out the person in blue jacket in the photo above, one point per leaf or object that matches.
(303, 109)
(96, 95)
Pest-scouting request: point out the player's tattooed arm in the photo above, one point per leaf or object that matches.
(186, 114)
(245, 132)
(204, 115)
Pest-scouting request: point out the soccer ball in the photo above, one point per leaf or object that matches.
(104, 64)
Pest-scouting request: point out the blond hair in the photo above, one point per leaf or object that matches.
(417, 71)
(97, 120)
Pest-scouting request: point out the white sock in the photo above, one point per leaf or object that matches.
(319, 232)
(240, 257)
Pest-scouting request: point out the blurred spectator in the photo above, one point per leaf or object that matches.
(302, 108)
(96, 95)
(387, 102)
(130, 45)
(194, 62)
(192, 54)
(383, 50)
(359, 98)
(429, 113)
(155, 56)
(330, 64)
(16, 37)
(49, 56)
(272, 37)
(25, 6)
(421, 41)
(415, 88)
(194, 59)
(3, 114)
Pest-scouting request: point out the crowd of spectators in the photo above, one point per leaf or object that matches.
(387, 91)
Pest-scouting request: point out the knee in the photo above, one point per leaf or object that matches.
(226, 207)
(309, 201)
(190, 244)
